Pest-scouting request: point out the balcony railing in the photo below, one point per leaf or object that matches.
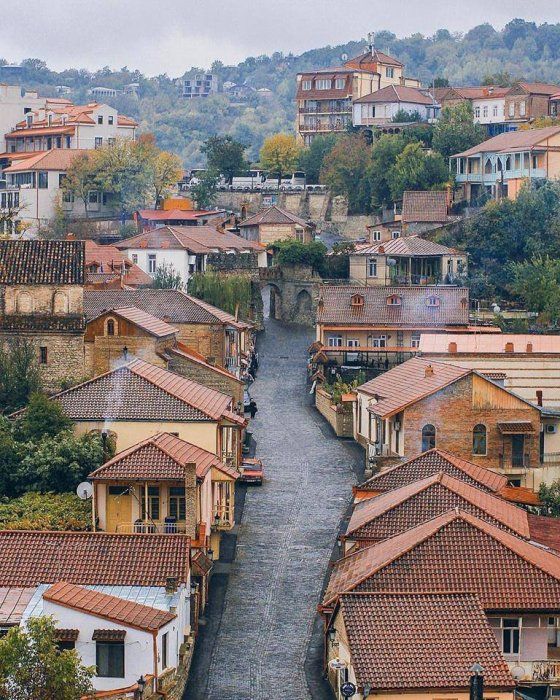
(321, 126)
(544, 671)
(223, 518)
(550, 458)
(231, 363)
(326, 110)
(515, 462)
(144, 527)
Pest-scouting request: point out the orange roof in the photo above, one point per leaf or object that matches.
(490, 344)
(196, 239)
(110, 259)
(149, 323)
(109, 607)
(55, 159)
(40, 131)
(520, 494)
(174, 214)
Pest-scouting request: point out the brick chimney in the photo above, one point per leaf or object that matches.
(429, 371)
(190, 499)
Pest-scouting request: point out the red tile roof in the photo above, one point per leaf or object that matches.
(55, 159)
(174, 214)
(427, 206)
(41, 262)
(455, 552)
(29, 558)
(545, 530)
(274, 215)
(150, 324)
(109, 259)
(539, 88)
(430, 463)
(182, 350)
(108, 607)
(196, 239)
(40, 131)
(401, 509)
(512, 141)
(410, 641)
(398, 93)
(367, 58)
(162, 457)
(410, 382)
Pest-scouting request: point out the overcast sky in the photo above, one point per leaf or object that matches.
(170, 36)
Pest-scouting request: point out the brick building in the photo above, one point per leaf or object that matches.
(275, 224)
(41, 301)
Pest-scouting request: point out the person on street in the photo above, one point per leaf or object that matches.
(253, 408)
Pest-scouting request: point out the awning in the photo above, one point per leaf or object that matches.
(66, 635)
(516, 428)
(109, 635)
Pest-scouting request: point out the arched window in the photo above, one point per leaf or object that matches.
(24, 303)
(60, 303)
(432, 301)
(110, 327)
(393, 300)
(428, 437)
(479, 439)
(357, 300)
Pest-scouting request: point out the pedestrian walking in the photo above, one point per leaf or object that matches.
(253, 408)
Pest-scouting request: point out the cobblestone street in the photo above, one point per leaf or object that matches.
(262, 614)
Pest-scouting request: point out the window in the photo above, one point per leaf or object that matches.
(511, 109)
(522, 109)
(29, 119)
(43, 180)
(372, 267)
(395, 234)
(553, 632)
(110, 120)
(59, 142)
(485, 111)
(432, 302)
(98, 141)
(477, 112)
(415, 340)
(177, 502)
(93, 197)
(479, 439)
(535, 163)
(357, 300)
(306, 84)
(428, 437)
(60, 303)
(394, 300)
(68, 141)
(24, 303)
(153, 503)
(335, 341)
(376, 236)
(164, 649)
(379, 342)
(65, 645)
(510, 635)
(339, 83)
(43, 355)
(109, 658)
(390, 72)
(151, 263)
(110, 327)
(135, 258)
(111, 141)
(323, 84)
(100, 119)
(495, 111)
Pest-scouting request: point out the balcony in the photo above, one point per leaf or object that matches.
(493, 178)
(550, 459)
(145, 527)
(546, 671)
(231, 363)
(223, 518)
(513, 463)
(324, 109)
(323, 126)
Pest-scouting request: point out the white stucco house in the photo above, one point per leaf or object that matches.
(382, 106)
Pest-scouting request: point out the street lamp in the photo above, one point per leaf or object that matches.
(139, 692)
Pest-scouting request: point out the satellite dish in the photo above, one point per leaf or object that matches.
(391, 262)
(84, 490)
(518, 672)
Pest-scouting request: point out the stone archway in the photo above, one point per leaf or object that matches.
(272, 301)
(304, 307)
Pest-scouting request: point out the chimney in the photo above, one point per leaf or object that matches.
(70, 236)
(381, 249)
(170, 584)
(539, 397)
(429, 371)
(509, 347)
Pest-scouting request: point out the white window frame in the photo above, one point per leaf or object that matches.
(395, 234)
(372, 267)
(340, 83)
(323, 84)
(306, 84)
(334, 341)
(390, 72)
(509, 630)
(379, 342)
(375, 235)
(152, 263)
(415, 339)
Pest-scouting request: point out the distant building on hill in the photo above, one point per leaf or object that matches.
(202, 85)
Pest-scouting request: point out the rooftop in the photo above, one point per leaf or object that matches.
(406, 246)
(516, 343)
(513, 141)
(195, 239)
(56, 159)
(430, 206)
(41, 262)
(274, 215)
(28, 558)
(151, 324)
(110, 261)
(444, 635)
(398, 93)
(175, 214)
(108, 607)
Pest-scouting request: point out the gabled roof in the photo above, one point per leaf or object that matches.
(41, 262)
(152, 325)
(413, 310)
(195, 239)
(427, 206)
(401, 509)
(29, 558)
(410, 382)
(142, 391)
(433, 462)
(109, 607)
(175, 214)
(537, 88)
(398, 93)
(162, 457)
(512, 141)
(274, 215)
(113, 263)
(409, 641)
(366, 59)
(455, 552)
(13, 601)
(406, 246)
(170, 305)
(55, 159)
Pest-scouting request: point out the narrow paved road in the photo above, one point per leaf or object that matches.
(256, 644)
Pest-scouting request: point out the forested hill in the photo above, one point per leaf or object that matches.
(521, 50)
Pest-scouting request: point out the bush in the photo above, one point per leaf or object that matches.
(232, 293)
(48, 511)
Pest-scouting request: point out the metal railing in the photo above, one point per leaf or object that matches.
(150, 528)
(546, 670)
(550, 458)
(515, 462)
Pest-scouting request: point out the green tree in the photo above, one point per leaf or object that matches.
(384, 155)
(292, 252)
(279, 154)
(232, 293)
(414, 169)
(345, 171)
(42, 418)
(205, 191)
(440, 82)
(311, 159)
(33, 668)
(82, 177)
(225, 155)
(537, 282)
(45, 511)
(19, 374)
(404, 116)
(549, 495)
(456, 132)
(167, 277)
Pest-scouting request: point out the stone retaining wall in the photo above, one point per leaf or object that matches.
(339, 417)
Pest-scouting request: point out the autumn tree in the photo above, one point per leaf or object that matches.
(164, 169)
(279, 154)
(82, 177)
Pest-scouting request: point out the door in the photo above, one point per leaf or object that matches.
(119, 507)
(352, 356)
(517, 450)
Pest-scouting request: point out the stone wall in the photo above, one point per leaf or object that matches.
(106, 352)
(208, 340)
(204, 375)
(339, 417)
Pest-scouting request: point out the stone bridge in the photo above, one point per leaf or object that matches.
(290, 293)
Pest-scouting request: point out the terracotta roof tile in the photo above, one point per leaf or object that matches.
(182, 350)
(455, 552)
(146, 321)
(512, 141)
(409, 382)
(108, 607)
(175, 214)
(545, 530)
(55, 159)
(429, 206)
(274, 215)
(413, 310)
(430, 463)
(41, 262)
(110, 260)
(407, 641)
(88, 558)
(398, 93)
(196, 239)
(13, 602)
(401, 509)
(160, 458)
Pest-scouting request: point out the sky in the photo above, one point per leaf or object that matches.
(170, 36)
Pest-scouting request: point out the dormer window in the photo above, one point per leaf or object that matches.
(433, 302)
(394, 300)
(49, 119)
(29, 119)
(357, 301)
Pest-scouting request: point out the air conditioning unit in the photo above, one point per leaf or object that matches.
(551, 428)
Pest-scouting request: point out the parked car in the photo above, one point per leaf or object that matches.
(251, 471)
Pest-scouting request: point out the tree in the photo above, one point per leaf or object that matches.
(456, 132)
(279, 154)
(42, 418)
(164, 171)
(501, 79)
(167, 277)
(19, 374)
(45, 511)
(441, 82)
(311, 159)
(402, 116)
(414, 169)
(537, 282)
(225, 155)
(383, 157)
(32, 667)
(549, 495)
(345, 170)
(293, 252)
(205, 191)
(82, 177)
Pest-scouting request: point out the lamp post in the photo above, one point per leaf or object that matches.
(139, 692)
(476, 682)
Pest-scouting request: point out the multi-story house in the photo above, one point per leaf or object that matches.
(498, 167)
(382, 106)
(15, 103)
(202, 85)
(487, 102)
(525, 102)
(275, 224)
(324, 97)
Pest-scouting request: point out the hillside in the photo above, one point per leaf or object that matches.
(521, 50)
